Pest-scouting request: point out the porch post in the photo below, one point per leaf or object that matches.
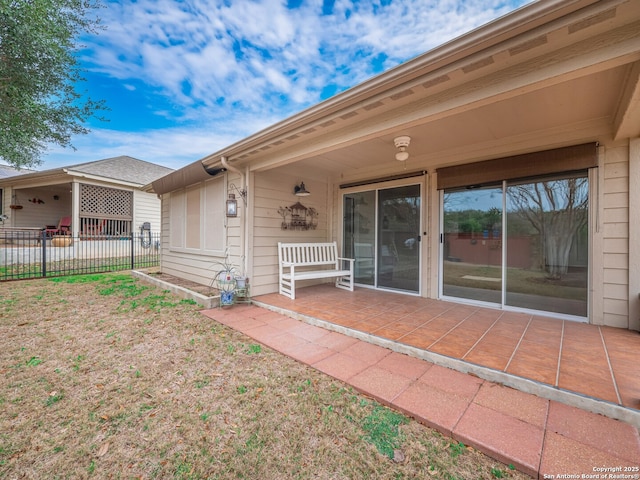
(75, 209)
(432, 253)
(634, 234)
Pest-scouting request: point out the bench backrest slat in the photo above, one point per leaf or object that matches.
(308, 253)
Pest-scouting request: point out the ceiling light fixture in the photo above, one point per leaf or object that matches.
(402, 143)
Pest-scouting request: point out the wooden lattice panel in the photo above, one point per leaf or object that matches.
(104, 202)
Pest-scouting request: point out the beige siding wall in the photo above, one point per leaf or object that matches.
(634, 234)
(146, 208)
(272, 190)
(615, 229)
(198, 266)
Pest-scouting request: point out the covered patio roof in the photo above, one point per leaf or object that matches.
(551, 74)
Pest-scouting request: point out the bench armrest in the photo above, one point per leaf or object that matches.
(350, 260)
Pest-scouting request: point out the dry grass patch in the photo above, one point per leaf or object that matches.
(104, 377)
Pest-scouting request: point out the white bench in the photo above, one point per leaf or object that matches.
(296, 261)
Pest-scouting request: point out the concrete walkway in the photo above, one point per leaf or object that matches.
(543, 438)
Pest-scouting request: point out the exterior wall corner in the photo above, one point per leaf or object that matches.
(634, 235)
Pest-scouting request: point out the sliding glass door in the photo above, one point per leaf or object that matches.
(547, 254)
(382, 233)
(472, 244)
(360, 235)
(520, 244)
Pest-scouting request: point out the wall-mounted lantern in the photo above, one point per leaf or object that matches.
(232, 206)
(300, 190)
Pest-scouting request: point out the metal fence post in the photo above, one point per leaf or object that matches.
(43, 241)
(133, 259)
(29, 253)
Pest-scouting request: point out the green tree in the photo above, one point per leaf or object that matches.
(39, 74)
(558, 210)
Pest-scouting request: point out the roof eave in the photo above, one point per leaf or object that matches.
(193, 173)
(31, 177)
(504, 28)
(100, 178)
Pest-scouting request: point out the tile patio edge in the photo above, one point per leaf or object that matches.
(525, 385)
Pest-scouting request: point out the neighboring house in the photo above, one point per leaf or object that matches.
(101, 197)
(519, 190)
(9, 171)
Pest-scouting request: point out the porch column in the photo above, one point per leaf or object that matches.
(634, 234)
(75, 209)
(432, 254)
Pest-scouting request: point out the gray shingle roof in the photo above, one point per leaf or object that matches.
(9, 171)
(123, 168)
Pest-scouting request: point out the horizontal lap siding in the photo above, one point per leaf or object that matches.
(39, 214)
(615, 225)
(146, 208)
(199, 266)
(272, 190)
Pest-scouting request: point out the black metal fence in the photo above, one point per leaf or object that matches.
(27, 254)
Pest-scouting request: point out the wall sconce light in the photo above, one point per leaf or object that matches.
(402, 143)
(240, 191)
(232, 206)
(300, 190)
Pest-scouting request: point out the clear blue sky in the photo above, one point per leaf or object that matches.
(186, 78)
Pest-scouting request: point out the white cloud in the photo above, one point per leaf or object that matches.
(255, 61)
(172, 147)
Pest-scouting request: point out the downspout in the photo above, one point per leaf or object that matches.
(243, 224)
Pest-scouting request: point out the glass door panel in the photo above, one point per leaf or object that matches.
(360, 234)
(472, 244)
(547, 245)
(399, 237)
(382, 233)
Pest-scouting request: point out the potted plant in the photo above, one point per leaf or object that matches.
(227, 280)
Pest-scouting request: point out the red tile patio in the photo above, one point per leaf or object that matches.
(592, 361)
(450, 366)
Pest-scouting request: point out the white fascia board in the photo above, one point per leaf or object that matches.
(102, 179)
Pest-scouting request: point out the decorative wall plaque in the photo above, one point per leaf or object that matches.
(298, 217)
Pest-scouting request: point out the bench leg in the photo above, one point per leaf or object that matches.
(292, 292)
(287, 288)
(346, 283)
